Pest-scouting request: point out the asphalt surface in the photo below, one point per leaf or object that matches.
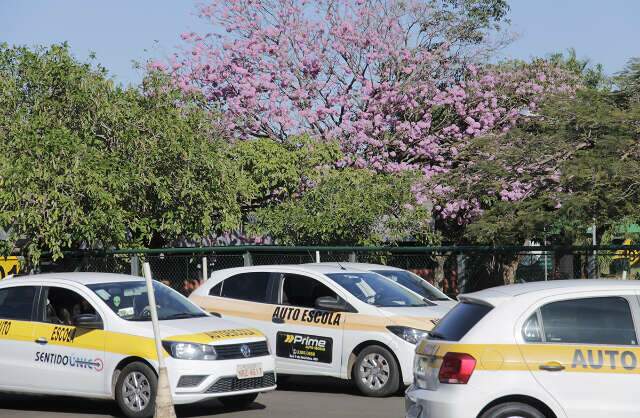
(297, 397)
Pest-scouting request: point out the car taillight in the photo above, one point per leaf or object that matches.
(456, 368)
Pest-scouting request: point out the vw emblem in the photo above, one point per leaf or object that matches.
(245, 350)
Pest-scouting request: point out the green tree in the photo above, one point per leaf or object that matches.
(574, 160)
(88, 164)
(349, 207)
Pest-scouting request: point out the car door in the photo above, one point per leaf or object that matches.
(69, 359)
(584, 352)
(308, 340)
(17, 367)
(247, 298)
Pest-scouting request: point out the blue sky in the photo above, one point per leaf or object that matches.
(120, 31)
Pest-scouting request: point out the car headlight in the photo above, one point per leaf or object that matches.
(190, 351)
(411, 335)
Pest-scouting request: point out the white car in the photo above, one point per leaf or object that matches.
(326, 320)
(90, 335)
(565, 349)
(405, 278)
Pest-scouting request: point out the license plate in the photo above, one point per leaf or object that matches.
(247, 371)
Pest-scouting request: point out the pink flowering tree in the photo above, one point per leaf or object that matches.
(399, 84)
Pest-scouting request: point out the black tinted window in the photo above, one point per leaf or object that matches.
(17, 302)
(459, 321)
(215, 290)
(604, 320)
(246, 286)
(303, 291)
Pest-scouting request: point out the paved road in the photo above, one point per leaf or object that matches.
(296, 398)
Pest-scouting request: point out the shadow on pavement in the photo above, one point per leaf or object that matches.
(211, 408)
(320, 385)
(58, 404)
(31, 404)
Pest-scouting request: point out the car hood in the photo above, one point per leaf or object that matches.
(423, 317)
(205, 330)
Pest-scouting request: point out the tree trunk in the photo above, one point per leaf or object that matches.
(509, 270)
(439, 273)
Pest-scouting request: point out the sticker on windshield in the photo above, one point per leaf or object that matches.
(304, 347)
(103, 294)
(116, 301)
(126, 312)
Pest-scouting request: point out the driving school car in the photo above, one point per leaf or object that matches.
(565, 349)
(90, 335)
(327, 320)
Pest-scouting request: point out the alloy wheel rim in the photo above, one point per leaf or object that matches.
(136, 391)
(374, 371)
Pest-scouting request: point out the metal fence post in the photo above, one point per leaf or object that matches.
(205, 274)
(317, 256)
(248, 260)
(135, 265)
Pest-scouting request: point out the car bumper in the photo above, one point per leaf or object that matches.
(421, 403)
(195, 381)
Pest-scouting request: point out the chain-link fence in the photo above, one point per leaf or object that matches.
(454, 269)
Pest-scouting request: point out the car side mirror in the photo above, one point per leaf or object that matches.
(88, 321)
(332, 304)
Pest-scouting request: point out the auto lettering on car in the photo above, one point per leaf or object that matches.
(565, 348)
(327, 319)
(70, 333)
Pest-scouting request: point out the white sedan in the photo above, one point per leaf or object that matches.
(327, 320)
(90, 335)
(561, 349)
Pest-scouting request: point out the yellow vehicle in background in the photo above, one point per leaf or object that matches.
(9, 266)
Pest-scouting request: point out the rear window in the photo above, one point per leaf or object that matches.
(459, 321)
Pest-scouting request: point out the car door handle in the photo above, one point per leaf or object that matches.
(277, 320)
(42, 341)
(552, 366)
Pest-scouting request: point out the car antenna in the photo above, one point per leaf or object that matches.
(340, 265)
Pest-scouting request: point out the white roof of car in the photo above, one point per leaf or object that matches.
(357, 266)
(496, 295)
(84, 278)
(318, 268)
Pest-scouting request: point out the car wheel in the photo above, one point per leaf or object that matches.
(238, 401)
(136, 390)
(376, 372)
(513, 410)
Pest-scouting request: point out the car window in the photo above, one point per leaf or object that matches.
(61, 305)
(247, 286)
(215, 290)
(377, 290)
(603, 320)
(459, 321)
(303, 291)
(531, 330)
(130, 301)
(17, 302)
(414, 282)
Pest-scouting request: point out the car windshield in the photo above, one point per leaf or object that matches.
(377, 290)
(129, 300)
(414, 282)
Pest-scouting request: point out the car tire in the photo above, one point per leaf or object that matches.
(376, 372)
(137, 379)
(238, 401)
(512, 409)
